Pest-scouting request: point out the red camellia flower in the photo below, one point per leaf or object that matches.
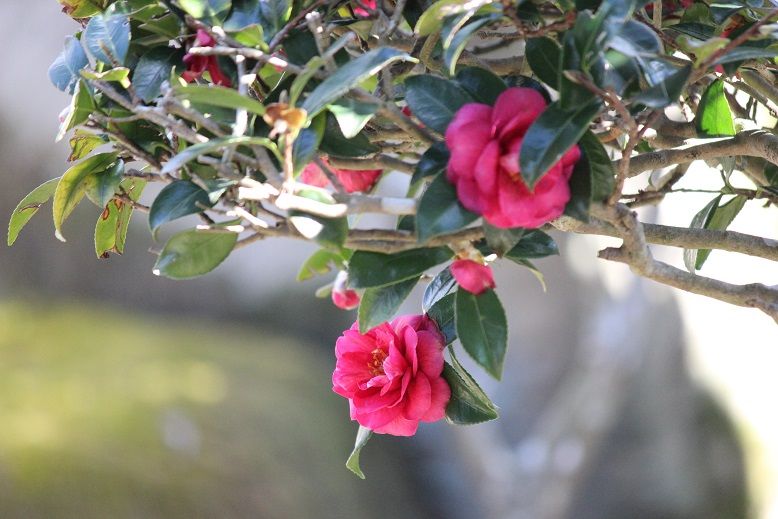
(392, 374)
(353, 180)
(342, 296)
(472, 276)
(361, 11)
(196, 65)
(484, 142)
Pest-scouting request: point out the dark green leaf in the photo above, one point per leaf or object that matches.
(712, 216)
(153, 69)
(212, 145)
(438, 288)
(353, 460)
(65, 72)
(178, 199)
(107, 38)
(102, 186)
(552, 134)
(443, 313)
(433, 162)
(484, 86)
(193, 253)
(223, 97)
(28, 206)
(592, 180)
(440, 211)
(434, 100)
(330, 233)
(452, 52)
(533, 244)
(350, 75)
(545, 59)
(352, 115)
(379, 304)
(714, 117)
(469, 404)
(373, 269)
(482, 329)
(746, 53)
(336, 144)
(665, 92)
(501, 241)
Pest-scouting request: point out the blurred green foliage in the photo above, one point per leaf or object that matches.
(107, 415)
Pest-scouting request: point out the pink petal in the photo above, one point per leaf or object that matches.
(418, 398)
(515, 110)
(430, 353)
(441, 394)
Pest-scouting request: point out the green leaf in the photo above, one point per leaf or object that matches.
(545, 59)
(112, 225)
(352, 115)
(484, 86)
(101, 187)
(177, 199)
(72, 186)
(533, 244)
(212, 145)
(28, 206)
(65, 72)
(334, 143)
(666, 92)
(532, 268)
(452, 51)
(153, 69)
(443, 313)
(374, 269)
(273, 16)
(319, 263)
(714, 117)
(712, 216)
(468, 404)
(353, 460)
(193, 253)
(440, 211)
(107, 38)
(81, 107)
(379, 304)
(433, 162)
(220, 96)
(211, 10)
(501, 241)
(552, 134)
(482, 329)
(747, 53)
(434, 100)
(83, 143)
(438, 288)
(592, 180)
(350, 75)
(432, 19)
(118, 75)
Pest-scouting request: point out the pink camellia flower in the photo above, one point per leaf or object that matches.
(196, 65)
(353, 180)
(361, 11)
(342, 296)
(472, 276)
(484, 142)
(392, 374)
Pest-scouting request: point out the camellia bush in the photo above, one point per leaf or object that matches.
(278, 118)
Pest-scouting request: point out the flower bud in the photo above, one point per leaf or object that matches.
(472, 276)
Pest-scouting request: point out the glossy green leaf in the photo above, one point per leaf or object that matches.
(112, 225)
(65, 72)
(107, 38)
(349, 76)
(212, 145)
(432, 163)
(593, 178)
(28, 206)
(434, 100)
(380, 304)
(72, 187)
(153, 69)
(432, 19)
(714, 117)
(483, 85)
(193, 253)
(444, 314)
(352, 115)
(438, 288)
(440, 211)
(747, 53)
(374, 269)
(499, 240)
(101, 186)
(666, 92)
(482, 329)
(712, 216)
(177, 199)
(211, 10)
(533, 244)
(81, 107)
(453, 50)
(220, 96)
(468, 404)
(552, 134)
(319, 263)
(363, 435)
(334, 143)
(545, 59)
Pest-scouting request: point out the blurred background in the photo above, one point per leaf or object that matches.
(126, 395)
